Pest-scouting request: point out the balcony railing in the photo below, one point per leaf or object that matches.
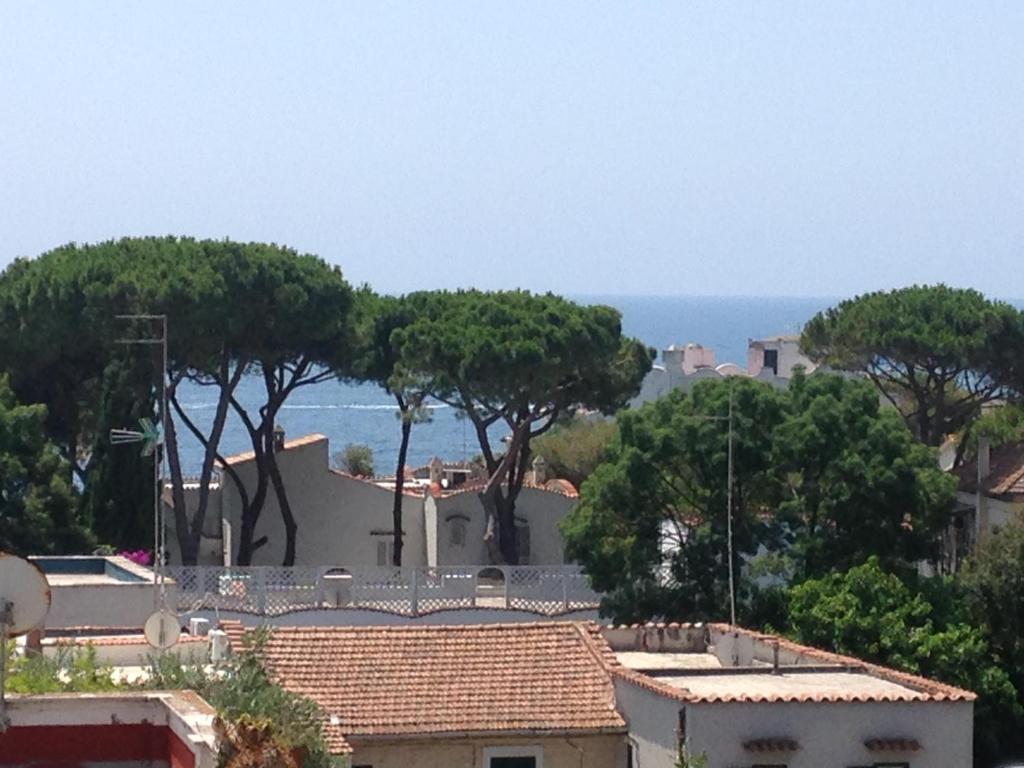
(272, 591)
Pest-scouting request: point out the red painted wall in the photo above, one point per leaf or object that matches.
(89, 743)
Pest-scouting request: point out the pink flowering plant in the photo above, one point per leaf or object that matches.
(139, 556)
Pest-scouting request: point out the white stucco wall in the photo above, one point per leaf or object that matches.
(995, 514)
(789, 356)
(542, 510)
(829, 734)
(653, 722)
(833, 734)
(568, 752)
(336, 515)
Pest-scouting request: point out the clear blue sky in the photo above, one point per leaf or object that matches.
(814, 148)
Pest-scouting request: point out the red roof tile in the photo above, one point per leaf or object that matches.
(298, 442)
(443, 680)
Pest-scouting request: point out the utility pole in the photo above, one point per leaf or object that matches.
(728, 517)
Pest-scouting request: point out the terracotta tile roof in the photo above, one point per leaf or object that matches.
(915, 688)
(561, 487)
(112, 640)
(1006, 475)
(399, 681)
(298, 442)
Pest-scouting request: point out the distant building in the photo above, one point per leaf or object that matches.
(570, 694)
(347, 520)
(990, 495)
(773, 359)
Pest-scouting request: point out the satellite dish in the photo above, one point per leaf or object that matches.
(162, 629)
(25, 588)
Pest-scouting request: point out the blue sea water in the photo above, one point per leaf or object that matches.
(364, 413)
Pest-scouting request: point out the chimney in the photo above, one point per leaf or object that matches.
(278, 438)
(984, 458)
(540, 470)
(436, 470)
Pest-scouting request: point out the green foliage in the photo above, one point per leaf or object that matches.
(854, 481)
(994, 581)
(687, 760)
(660, 500)
(119, 490)
(574, 449)
(69, 669)
(519, 362)
(241, 691)
(233, 309)
(937, 353)
(919, 626)
(38, 512)
(356, 459)
(822, 480)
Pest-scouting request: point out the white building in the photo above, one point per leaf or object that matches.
(346, 520)
(773, 359)
(742, 698)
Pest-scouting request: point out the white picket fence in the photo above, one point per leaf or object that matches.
(272, 591)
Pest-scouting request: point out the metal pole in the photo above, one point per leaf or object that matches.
(6, 608)
(732, 581)
(158, 459)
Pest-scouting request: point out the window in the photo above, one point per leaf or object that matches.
(385, 552)
(513, 757)
(771, 360)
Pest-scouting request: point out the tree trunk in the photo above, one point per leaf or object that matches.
(396, 509)
(189, 550)
(251, 513)
(210, 446)
(508, 535)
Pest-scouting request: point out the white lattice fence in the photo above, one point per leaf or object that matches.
(272, 591)
(440, 588)
(382, 589)
(548, 590)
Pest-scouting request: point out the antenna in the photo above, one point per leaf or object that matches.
(728, 518)
(151, 437)
(24, 603)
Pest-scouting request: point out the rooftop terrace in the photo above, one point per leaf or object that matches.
(716, 663)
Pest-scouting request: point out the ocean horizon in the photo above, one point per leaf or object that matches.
(365, 413)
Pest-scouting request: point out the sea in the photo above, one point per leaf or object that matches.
(365, 414)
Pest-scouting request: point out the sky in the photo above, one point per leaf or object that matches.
(710, 148)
